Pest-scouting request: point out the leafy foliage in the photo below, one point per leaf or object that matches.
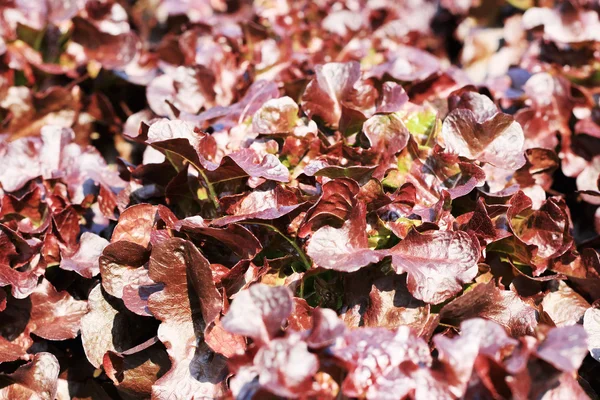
(299, 199)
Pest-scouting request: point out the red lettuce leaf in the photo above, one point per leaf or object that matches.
(477, 133)
(487, 301)
(37, 379)
(259, 312)
(187, 303)
(438, 263)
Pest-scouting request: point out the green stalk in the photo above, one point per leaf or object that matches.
(37, 45)
(211, 190)
(303, 257)
(212, 195)
(301, 291)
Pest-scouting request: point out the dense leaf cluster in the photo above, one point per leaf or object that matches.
(373, 199)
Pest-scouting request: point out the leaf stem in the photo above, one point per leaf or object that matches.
(301, 291)
(447, 325)
(303, 257)
(39, 39)
(211, 189)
